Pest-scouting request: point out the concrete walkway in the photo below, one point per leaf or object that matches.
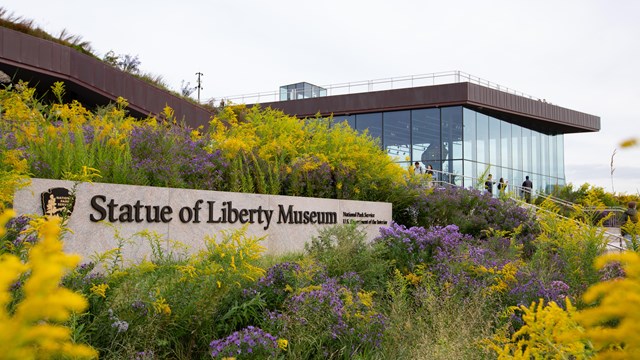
(616, 241)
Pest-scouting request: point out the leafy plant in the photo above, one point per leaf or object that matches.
(343, 249)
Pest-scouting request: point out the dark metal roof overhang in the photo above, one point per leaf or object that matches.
(530, 113)
(88, 80)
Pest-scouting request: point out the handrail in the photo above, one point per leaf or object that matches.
(363, 86)
(451, 177)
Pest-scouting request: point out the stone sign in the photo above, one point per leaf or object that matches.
(102, 215)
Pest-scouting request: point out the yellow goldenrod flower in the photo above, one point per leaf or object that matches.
(4, 218)
(413, 279)
(188, 272)
(366, 298)
(122, 102)
(161, 306)
(283, 344)
(99, 290)
(615, 300)
(33, 330)
(168, 112)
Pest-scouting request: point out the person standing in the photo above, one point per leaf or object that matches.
(429, 170)
(502, 186)
(488, 185)
(417, 169)
(629, 216)
(527, 186)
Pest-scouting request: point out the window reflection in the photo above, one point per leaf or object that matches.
(469, 134)
(350, 119)
(425, 125)
(482, 128)
(561, 157)
(397, 136)
(452, 133)
(516, 150)
(505, 144)
(371, 122)
(494, 141)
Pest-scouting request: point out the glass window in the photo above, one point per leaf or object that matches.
(517, 178)
(371, 122)
(397, 139)
(516, 149)
(482, 138)
(505, 144)
(561, 157)
(452, 133)
(470, 172)
(453, 172)
(536, 155)
(425, 125)
(350, 119)
(544, 159)
(526, 150)
(536, 180)
(553, 147)
(469, 134)
(504, 173)
(494, 141)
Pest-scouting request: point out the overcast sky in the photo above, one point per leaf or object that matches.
(582, 55)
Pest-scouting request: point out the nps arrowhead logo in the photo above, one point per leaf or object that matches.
(57, 202)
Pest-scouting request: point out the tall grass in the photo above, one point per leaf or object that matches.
(428, 323)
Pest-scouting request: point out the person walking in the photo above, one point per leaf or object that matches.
(527, 186)
(629, 216)
(488, 185)
(417, 169)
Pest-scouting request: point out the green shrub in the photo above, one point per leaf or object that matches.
(343, 249)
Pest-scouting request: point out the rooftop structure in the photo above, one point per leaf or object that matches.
(301, 90)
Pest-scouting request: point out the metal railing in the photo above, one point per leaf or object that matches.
(402, 82)
(516, 192)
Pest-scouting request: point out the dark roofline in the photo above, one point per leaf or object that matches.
(533, 114)
(42, 62)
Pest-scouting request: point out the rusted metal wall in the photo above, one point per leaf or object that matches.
(523, 111)
(535, 109)
(34, 56)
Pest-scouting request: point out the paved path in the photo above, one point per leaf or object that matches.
(616, 241)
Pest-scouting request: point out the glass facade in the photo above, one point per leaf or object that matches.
(467, 143)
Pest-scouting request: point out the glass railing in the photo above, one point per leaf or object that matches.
(403, 82)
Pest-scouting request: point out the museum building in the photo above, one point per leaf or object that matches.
(461, 125)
